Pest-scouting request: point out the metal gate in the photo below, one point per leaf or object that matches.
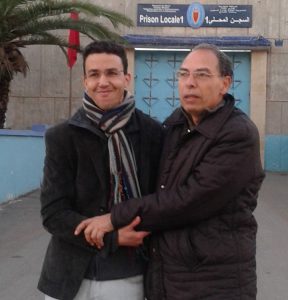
(240, 87)
(156, 90)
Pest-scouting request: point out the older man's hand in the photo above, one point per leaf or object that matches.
(128, 236)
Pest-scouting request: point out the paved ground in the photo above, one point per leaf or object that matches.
(23, 243)
(272, 250)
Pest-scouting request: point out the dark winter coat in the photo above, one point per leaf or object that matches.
(204, 232)
(76, 185)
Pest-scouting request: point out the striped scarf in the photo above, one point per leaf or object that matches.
(123, 169)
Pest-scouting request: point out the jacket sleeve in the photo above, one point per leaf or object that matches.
(226, 169)
(58, 210)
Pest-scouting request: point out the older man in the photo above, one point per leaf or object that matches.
(204, 240)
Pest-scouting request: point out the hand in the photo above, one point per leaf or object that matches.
(94, 229)
(127, 236)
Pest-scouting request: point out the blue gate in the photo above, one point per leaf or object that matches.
(156, 90)
(240, 87)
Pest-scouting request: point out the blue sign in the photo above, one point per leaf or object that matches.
(194, 15)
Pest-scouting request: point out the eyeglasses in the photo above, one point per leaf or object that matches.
(110, 74)
(197, 75)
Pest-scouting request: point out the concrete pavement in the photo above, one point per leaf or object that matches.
(272, 240)
(23, 243)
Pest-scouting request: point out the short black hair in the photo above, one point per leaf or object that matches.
(106, 47)
(224, 61)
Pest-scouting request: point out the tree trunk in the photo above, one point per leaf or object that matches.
(4, 98)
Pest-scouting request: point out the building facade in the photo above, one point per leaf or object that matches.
(254, 33)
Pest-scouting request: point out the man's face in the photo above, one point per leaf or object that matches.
(200, 85)
(104, 80)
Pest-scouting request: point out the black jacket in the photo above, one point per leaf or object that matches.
(205, 234)
(76, 185)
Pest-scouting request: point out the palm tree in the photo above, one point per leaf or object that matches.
(33, 22)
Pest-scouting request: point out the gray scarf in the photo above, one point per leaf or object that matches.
(123, 169)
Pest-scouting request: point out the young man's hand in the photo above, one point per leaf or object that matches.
(94, 229)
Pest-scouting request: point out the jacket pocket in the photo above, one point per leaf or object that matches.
(177, 250)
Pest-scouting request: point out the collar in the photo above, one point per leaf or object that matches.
(211, 123)
(205, 113)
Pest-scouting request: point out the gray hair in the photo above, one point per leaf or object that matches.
(224, 61)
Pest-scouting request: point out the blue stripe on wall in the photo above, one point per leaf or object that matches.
(276, 153)
(21, 165)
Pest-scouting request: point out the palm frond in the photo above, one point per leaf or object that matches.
(8, 6)
(84, 26)
(44, 9)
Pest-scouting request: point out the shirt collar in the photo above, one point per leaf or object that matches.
(207, 112)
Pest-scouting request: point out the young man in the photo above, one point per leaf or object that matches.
(107, 153)
(204, 240)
